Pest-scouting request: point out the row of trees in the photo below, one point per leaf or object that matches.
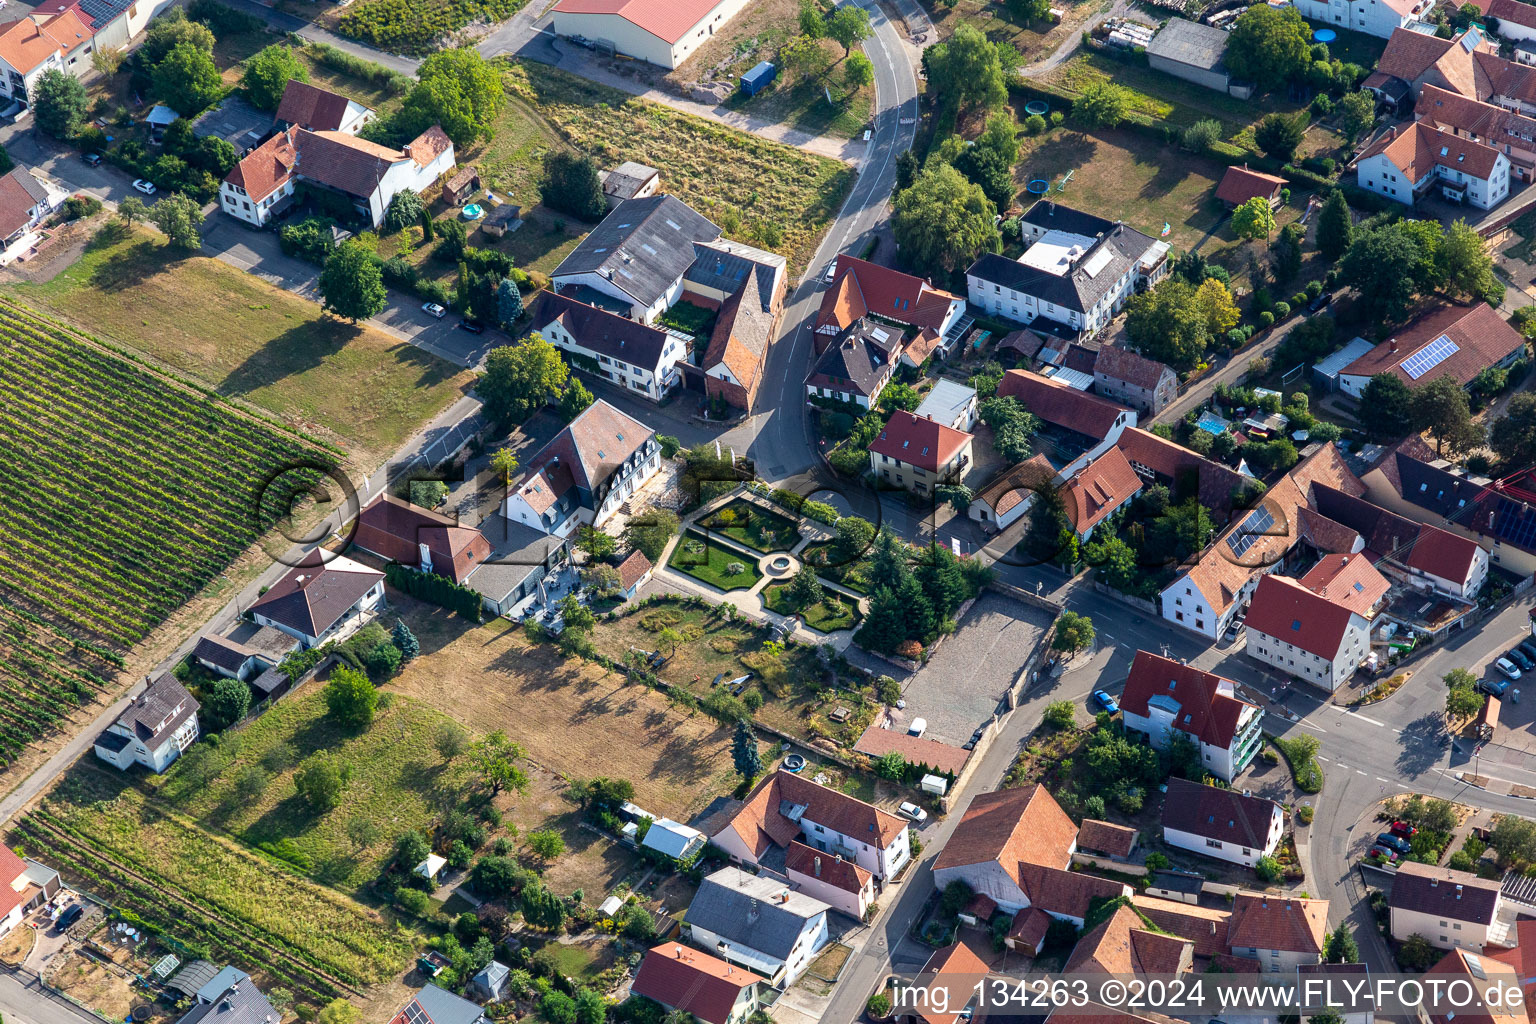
(914, 595)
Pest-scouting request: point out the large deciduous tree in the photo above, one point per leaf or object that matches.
(187, 79)
(848, 26)
(1268, 45)
(179, 217)
(519, 379)
(352, 282)
(968, 69)
(1390, 404)
(1383, 265)
(1101, 104)
(59, 103)
(267, 74)
(1441, 407)
(1513, 436)
(944, 221)
(1168, 324)
(459, 90)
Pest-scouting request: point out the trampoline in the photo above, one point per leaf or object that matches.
(1324, 35)
(1037, 107)
(1039, 187)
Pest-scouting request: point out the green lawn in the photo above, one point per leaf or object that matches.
(750, 524)
(247, 339)
(761, 192)
(850, 575)
(832, 613)
(710, 562)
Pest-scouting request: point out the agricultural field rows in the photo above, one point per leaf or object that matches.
(128, 493)
(45, 674)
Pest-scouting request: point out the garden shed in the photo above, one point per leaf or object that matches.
(464, 183)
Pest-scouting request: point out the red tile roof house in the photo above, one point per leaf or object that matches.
(38, 43)
(1014, 846)
(1281, 932)
(1240, 184)
(24, 886)
(319, 110)
(1410, 160)
(840, 884)
(1506, 130)
(585, 473)
(1350, 580)
(1419, 554)
(919, 454)
(1097, 419)
(368, 174)
(1320, 640)
(1221, 823)
(319, 597)
(1098, 491)
(24, 202)
(1461, 341)
(662, 33)
(419, 538)
(785, 807)
(1163, 696)
(947, 984)
(1452, 909)
(694, 982)
(1011, 493)
(861, 288)
(1131, 379)
(634, 571)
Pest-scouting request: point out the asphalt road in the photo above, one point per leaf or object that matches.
(24, 1001)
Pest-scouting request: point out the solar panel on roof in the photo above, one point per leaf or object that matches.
(1252, 528)
(1471, 39)
(1429, 357)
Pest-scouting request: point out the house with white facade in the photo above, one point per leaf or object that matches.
(37, 43)
(1164, 697)
(1410, 160)
(1221, 823)
(1010, 494)
(319, 597)
(369, 175)
(758, 922)
(712, 990)
(584, 474)
(24, 202)
(153, 729)
(1281, 932)
(1459, 341)
(636, 257)
(1379, 18)
(785, 807)
(950, 403)
(1014, 847)
(1452, 909)
(1320, 640)
(320, 110)
(840, 884)
(24, 886)
(673, 839)
(1097, 491)
(1077, 272)
(628, 353)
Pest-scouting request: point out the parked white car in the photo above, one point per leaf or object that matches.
(147, 187)
(1507, 668)
(912, 811)
(433, 309)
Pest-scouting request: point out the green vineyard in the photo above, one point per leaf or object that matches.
(127, 492)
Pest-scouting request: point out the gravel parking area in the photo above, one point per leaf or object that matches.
(961, 685)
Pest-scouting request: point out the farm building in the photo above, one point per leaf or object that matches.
(1194, 52)
(662, 33)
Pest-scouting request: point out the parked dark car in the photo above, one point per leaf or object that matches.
(1520, 658)
(1393, 842)
(1321, 302)
(472, 326)
(1529, 647)
(93, 159)
(1493, 687)
(69, 917)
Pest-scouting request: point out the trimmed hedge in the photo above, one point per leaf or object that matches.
(435, 589)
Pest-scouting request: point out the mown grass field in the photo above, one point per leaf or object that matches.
(711, 562)
(128, 491)
(350, 384)
(758, 191)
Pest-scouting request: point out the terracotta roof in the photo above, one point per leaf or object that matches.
(1206, 711)
(1495, 76)
(1481, 338)
(1217, 813)
(1410, 54)
(1508, 10)
(1106, 837)
(1173, 464)
(760, 822)
(429, 145)
(1123, 944)
(1521, 956)
(667, 20)
(1444, 892)
(313, 595)
(546, 485)
(956, 971)
(1493, 124)
(926, 444)
(394, 529)
(1205, 927)
(20, 193)
(693, 981)
(1293, 924)
(1025, 342)
(917, 750)
(743, 331)
(1029, 927)
(861, 287)
(633, 568)
(1012, 827)
(832, 869)
(1350, 580)
(1015, 485)
(1061, 405)
(1490, 976)
(981, 907)
(921, 347)
(1063, 893)
(1414, 149)
(1240, 184)
(266, 168)
(1098, 489)
(1286, 610)
(1130, 367)
(27, 42)
(1327, 534)
(344, 162)
(312, 107)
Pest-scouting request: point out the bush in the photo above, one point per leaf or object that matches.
(1034, 124)
(1282, 310)
(1268, 869)
(1266, 318)
(81, 207)
(1060, 714)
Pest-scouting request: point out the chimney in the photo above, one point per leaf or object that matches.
(679, 952)
(818, 867)
(1392, 345)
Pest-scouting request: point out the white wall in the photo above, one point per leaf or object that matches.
(1441, 932)
(1328, 673)
(1222, 850)
(1373, 17)
(989, 879)
(644, 314)
(851, 903)
(644, 380)
(1381, 176)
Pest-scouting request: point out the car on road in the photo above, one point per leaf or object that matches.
(433, 309)
(1520, 658)
(1402, 828)
(91, 159)
(1390, 856)
(1320, 302)
(831, 270)
(471, 325)
(1509, 669)
(1496, 687)
(1106, 702)
(911, 811)
(147, 187)
(1393, 842)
